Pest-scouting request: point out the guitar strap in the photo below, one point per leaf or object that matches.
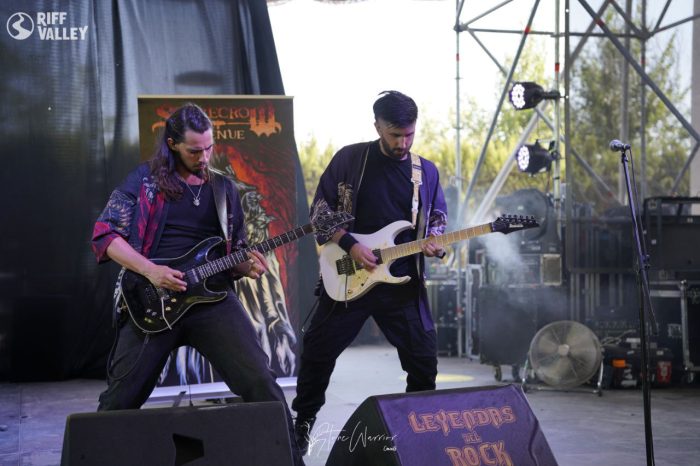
(417, 180)
(219, 189)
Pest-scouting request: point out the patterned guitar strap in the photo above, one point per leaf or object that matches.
(417, 180)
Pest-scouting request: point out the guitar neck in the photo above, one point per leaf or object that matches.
(230, 261)
(414, 247)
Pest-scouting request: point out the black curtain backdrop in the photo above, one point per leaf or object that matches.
(69, 131)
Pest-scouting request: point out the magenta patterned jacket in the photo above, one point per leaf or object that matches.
(136, 210)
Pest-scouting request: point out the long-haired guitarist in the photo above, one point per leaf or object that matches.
(164, 209)
(378, 182)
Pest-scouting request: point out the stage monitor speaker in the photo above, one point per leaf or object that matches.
(236, 434)
(466, 426)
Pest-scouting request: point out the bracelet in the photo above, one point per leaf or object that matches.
(347, 241)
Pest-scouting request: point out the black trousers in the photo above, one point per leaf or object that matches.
(334, 327)
(221, 332)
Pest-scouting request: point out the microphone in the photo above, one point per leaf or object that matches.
(618, 146)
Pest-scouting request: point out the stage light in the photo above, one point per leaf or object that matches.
(533, 158)
(524, 95)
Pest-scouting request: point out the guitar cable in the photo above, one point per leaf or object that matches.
(308, 316)
(189, 390)
(162, 313)
(110, 357)
(314, 308)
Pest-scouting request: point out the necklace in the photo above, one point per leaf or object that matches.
(196, 196)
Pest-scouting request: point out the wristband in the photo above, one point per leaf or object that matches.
(347, 241)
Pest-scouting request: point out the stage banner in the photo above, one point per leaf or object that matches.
(253, 146)
(458, 427)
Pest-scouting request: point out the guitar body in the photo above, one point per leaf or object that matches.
(344, 280)
(155, 309)
(348, 287)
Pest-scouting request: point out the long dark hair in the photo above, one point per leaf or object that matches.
(188, 117)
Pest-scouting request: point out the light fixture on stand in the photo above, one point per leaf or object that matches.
(533, 158)
(526, 94)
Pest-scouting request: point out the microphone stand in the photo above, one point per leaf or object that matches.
(644, 302)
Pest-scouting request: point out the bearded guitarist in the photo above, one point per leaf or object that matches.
(165, 209)
(378, 183)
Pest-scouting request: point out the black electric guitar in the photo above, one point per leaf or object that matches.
(345, 280)
(154, 309)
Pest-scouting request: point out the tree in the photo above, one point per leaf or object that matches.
(596, 115)
(313, 162)
(509, 128)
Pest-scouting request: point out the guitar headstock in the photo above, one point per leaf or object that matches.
(510, 223)
(327, 221)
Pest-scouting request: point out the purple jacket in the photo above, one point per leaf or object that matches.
(337, 191)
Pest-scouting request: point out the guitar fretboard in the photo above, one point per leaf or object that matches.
(414, 247)
(230, 261)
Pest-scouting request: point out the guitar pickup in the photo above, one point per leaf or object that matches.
(345, 266)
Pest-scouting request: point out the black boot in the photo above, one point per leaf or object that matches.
(302, 430)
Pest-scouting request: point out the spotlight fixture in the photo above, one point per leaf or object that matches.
(533, 158)
(524, 95)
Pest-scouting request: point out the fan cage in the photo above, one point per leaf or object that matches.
(565, 354)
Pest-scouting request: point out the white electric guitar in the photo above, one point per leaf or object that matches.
(346, 280)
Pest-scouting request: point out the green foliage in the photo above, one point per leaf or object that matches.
(596, 118)
(596, 113)
(509, 128)
(313, 161)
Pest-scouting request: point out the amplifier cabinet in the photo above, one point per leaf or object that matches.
(669, 227)
(677, 309)
(442, 297)
(509, 317)
(528, 269)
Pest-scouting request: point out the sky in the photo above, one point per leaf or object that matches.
(335, 58)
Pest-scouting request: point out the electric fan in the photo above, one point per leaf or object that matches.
(565, 354)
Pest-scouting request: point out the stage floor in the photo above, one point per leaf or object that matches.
(581, 428)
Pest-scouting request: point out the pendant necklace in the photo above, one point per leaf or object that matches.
(195, 196)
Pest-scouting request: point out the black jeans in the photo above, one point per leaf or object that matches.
(220, 331)
(334, 327)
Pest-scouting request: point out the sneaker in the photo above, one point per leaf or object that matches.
(302, 429)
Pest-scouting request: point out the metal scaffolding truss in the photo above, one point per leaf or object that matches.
(596, 28)
(642, 31)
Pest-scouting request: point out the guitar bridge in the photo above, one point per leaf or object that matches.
(345, 266)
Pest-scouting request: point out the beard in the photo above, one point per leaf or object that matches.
(200, 169)
(397, 154)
